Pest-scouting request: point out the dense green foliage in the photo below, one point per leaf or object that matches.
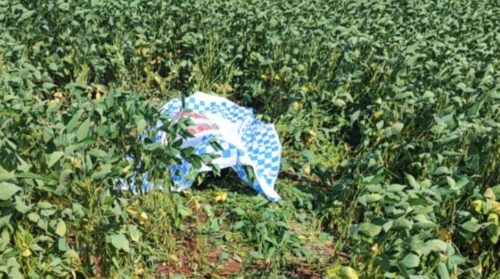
(388, 112)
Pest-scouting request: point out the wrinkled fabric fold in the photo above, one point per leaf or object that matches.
(244, 141)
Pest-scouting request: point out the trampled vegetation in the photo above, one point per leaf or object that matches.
(388, 112)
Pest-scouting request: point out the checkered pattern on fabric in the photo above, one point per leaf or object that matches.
(263, 148)
(256, 144)
(226, 109)
(172, 107)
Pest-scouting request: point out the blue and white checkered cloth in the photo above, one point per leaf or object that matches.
(245, 141)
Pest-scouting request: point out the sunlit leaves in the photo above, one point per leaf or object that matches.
(393, 107)
(119, 241)
(7, 190)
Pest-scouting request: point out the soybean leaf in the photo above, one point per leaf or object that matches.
(61, 228)
(5, 175)
(83, 130)
(120, 242)
(7, 190)
(54, 157)
(411, 261)
(370, 229)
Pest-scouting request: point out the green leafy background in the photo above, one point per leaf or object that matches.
(388, 112)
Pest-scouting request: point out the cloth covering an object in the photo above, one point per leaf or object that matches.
(245, 141)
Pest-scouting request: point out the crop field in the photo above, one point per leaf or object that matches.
(388, 112)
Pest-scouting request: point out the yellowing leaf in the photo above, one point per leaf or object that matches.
(139, 271)
(378, 113)
(477, 205)
(495, 207)
(196, 203)
(61, 228)
(296, 105)
(126, 169)
(221, 197)
(132, 210)
(445, 235)
(342, 272)
(143, 217)
(26, 253)
(349, 273)
(493, 218)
